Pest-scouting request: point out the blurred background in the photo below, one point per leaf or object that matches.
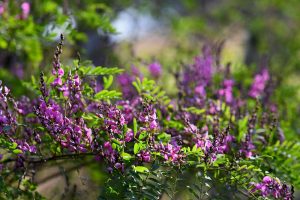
(128, 33)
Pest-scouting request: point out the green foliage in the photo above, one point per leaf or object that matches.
(12, 193)
(150, 91)
(106, 95)
(96, 71)
(283, 159)
(141, 183)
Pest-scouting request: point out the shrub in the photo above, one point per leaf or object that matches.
(220, 137)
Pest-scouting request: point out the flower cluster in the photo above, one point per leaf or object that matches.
(113, 118)
(272, 187)
(155, 69)
(201, 125)
(149, 118)
(170, 152)
(57, 70)
(226, 91)
(7, 118)
(125, 81)
(259, 83)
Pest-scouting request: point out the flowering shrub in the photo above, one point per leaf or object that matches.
(217, 138)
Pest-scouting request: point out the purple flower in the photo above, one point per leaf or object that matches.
(120, 166)
(18, 70)
(170, 152)
(247, 148)
(203, 67)
(191, 128)
(129, 135)
(259, 83)
(129, 108)
(114, 119)
(226, 91)
(267, 180)
(24, 106)
(57, 82)
(125, 81)
(273, 187)
(149, 118)
(2, 9)
(25, 10)
(88, 133)
(153, 125)
(155, 69)
(200, 90)
(110, 154)
(136, 72)
(195, 79)
(144, 156)
(60, 72)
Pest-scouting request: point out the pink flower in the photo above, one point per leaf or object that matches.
(226, 91)
(144, 156)
(25, 10)
(2, 9)
(60, 72)
(153, 125)
(259, 84)
(56, 82)
(267, 179)
(200, 90)
(88, 133)
(129, 135)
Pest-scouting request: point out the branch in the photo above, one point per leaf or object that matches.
(61, 157)
(44, 160)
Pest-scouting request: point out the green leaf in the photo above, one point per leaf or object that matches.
(106, 95)
(174, 124)
(126, 156)
(207, 177)
(193, 192)
(140, 169)
(195, 110)
(195, 148)
(137, 86)
(164, 137)
(49, 80)
(89, 116)
(135, 126)
(108, 81)
(116, 141)
(242, 167)
(207, 185)
(260, 130)
(136, 148)
(142, 135)
(17, 151)
(96, 71)
(13, 146)
(242, 124)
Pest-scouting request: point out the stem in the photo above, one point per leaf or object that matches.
(60, 157)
